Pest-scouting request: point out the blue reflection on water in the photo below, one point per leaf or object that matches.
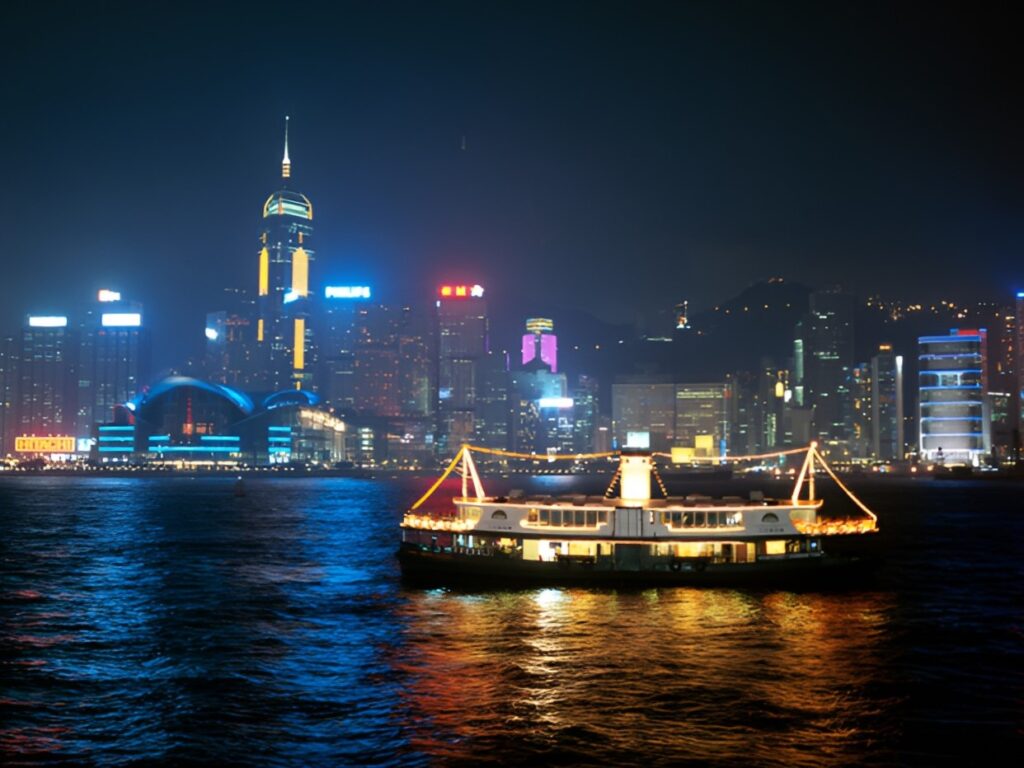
(168, 619)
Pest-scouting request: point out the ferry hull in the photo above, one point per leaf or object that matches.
(423, 567)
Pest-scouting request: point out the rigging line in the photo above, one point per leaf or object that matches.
(440, 480)
(541, 456)
(750, 457)
(848, 492)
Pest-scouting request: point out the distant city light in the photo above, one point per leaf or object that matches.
(121, 320)
(47, 321)
(211, 334)
(461, 291)
(106, 295)
(539, 325)
(291, 296)
(347, 292)
(554, 402)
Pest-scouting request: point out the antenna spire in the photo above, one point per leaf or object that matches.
(286, 164)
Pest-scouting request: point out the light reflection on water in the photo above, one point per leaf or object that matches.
(168, 620)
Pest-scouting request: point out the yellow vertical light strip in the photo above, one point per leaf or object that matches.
(300, 344)
(300, 272)
(264, 272)
(259, 329)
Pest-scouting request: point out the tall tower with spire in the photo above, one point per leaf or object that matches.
(283, 333)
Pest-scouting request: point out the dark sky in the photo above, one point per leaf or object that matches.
(617, 156)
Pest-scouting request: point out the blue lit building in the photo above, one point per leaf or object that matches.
(182, 419)
(953, 417)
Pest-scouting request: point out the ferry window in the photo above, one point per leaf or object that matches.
(544, 516)
(591, 517)
(775, 547)
(602, 516)
(499, 514)
(677, 519)
(532, 516)
(712, 519)
(687, 519)
(770, 517)
(698, 519)
(581, 517)
(666, 518)
(556, 517)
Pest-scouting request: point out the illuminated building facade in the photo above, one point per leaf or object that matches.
(8, 393)
(953, 418)
(643, 405)
(887, 442)
(542, 412)
(702, 418)
(284, 301)
(493, 413)
(46, 377)
(113, 360)
(462, 341)
(540, 341)
(230, 333)
(182, 419)
(586, 413)
(827, 356)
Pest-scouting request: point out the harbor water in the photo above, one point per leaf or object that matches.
(147, 620)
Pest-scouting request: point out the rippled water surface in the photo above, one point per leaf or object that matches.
(166, 620)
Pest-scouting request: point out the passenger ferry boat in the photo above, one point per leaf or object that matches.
(629, 539)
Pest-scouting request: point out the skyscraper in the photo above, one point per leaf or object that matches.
(283, 331)
(462, 331)
(887, 404)
(827, 351)
(231, 341)
(953, 418)
(8, 393)
(46, 373)
(540, 341)
(113, 360)
(702, 418)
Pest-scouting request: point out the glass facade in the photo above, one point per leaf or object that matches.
(953, 420)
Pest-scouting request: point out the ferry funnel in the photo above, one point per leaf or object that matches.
(635, 479)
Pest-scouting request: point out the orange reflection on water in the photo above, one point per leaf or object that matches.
(717, 675)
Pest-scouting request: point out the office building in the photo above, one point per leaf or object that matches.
(47, 373)
(230, 356)
(540, 341)
(284, 304)
(113, 360)
(702, 419)
(643, 412)
(462, 341)
(953, 423)
(8, 393)
(887, 443)
(824, 350)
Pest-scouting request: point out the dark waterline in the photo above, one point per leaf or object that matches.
(167, 620)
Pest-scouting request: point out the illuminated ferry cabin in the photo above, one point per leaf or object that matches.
(628, 538)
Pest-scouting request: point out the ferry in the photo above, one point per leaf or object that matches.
(632, 538)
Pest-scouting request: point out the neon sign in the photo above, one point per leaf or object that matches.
(461, 291)
(347, 292)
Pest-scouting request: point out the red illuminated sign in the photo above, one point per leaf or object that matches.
(461, 291)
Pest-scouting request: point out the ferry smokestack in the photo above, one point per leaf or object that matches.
(635, 481)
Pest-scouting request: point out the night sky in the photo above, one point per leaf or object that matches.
(599, 157)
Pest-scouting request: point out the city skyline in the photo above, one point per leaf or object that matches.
(701, 181)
